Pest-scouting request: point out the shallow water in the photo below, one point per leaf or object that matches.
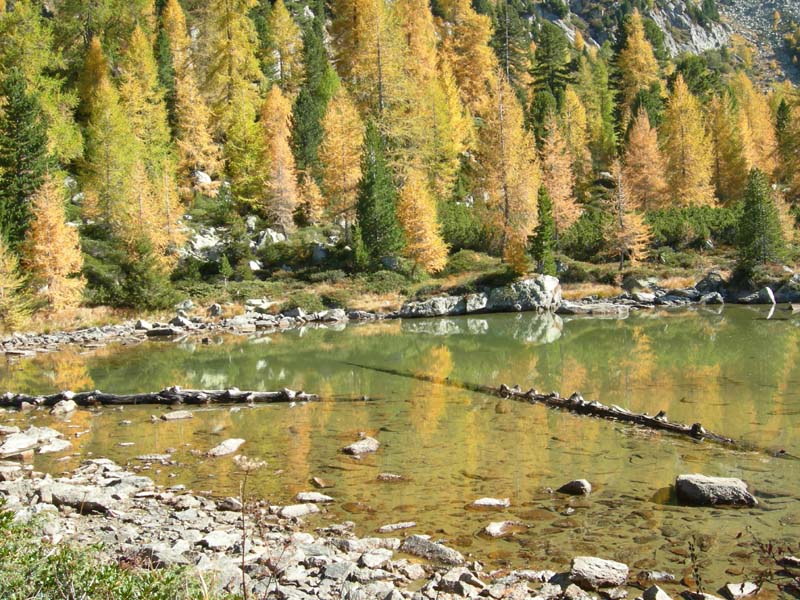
(734, 371)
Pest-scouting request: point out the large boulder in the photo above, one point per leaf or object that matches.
(434, 307)
(422, 546)
(711, 283)
(594, 573)
(702, 490)
(541, 293)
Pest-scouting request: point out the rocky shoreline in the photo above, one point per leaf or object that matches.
(139, 523)
(537, 294)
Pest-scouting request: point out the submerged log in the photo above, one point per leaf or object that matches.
(169, 396)
(577, 405)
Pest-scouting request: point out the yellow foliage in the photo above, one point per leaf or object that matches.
(282, 196)
(52, 251)
(687, 149)
(340, 154)
(727, 136)
(637, 63)
(643, 168)
(416, 211)
(287, 49)
(558, 178)
(760, 145)
(628, 236)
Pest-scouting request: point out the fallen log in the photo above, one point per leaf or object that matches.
(576, 404)
(169, 396)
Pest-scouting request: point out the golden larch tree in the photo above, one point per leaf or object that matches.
(637, 64)
(643, 167)
(628, 235)
(416, 211)
(286, 50)
(574, 124)
(340, 154)
(282, 194)
(52, 251)
(510, 176)
(729, 162)
(196, 148)
(558, 178)
(687, 149)
(311, 199)
(755, 114)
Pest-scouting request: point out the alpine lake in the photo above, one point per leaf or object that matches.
(735, 370)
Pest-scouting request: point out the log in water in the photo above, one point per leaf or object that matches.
(169, 396)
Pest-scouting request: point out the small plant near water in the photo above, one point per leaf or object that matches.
(247, 466)
(777, 564)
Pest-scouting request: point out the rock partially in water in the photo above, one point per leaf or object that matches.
(25, 441)
(736, 591)
(422, 546)
(577, 487)
(712, 283)
(363, 446)
(499, 529)
(392, 527)
(594, 573)
(64, 407)
(491, 503)
(702, 490)
(54, 446)
(295, 511)
(314, 497)
(227, 447)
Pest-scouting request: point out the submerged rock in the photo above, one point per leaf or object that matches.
(702, 490)
(491, 503)
(392, 527)
(177, 415)
(594, 573)
(314, 497)
(500, 529)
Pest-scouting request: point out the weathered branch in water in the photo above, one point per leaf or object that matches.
(577, 405)
(169, 396)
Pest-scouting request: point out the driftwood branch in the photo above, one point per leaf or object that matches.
(577, 405)
(169, 396)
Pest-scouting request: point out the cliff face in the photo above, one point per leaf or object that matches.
(684, 34)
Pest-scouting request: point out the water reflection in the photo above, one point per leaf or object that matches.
(733, 371)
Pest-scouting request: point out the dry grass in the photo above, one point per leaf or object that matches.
(577, 291)
(678, 282)
(87, 316)
(377, 302)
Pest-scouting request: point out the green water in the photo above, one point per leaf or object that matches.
(735, 371)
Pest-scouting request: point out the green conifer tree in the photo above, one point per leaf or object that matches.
(551, 69)
(760, 237)
(24, 159)
(544, 241)
(377, 201)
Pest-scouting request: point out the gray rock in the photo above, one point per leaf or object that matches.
(594, 573)
(392, 527)
(339, 570)
(711, 283)
(377, 558)
(655, 593)
(422, 546)
(295, 511)
(578, 487)
(53, 446)
(295, 313)
(201, 178)
(334, 315)
(434, 307)
(363, 446)
(656, 576)
(227, 447)
(491, 503)
(219, 540)
(638, 284)
(164, 332)
(702, 490)
(180, 321)
(83, 498)
(160, 555)
(713, 298)
(313, 497)
(595, 309)
(64, 407)
(215, 310)
(17, 443)
(177, 415)
(542, 293)
(735, 591)
(143, 325)
(499, 529)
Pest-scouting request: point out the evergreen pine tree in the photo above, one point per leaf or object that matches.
(511, 43)
(551, 69)
(760, 239)
(377, 201)
(14, 309)
(23, 155)
(544, 241)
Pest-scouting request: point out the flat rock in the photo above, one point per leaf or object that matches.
(735, 591)
(84, 498)
(53, 446)
(491, 503)
(177, 415)
(655, 593)
(295, 511)
(422, 546)
(64, 407)
(578, 487)
(363, 446)
(595, 573)
(397, 526)
(314, 497)
(219, 540)
(500, 529)
(390, 478)
(227, 447)
(702, 490)
(31, 438)
(377, 558)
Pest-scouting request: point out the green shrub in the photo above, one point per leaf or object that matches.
(466, 261)
(337, 299)
(383, 282)
(461, 228)
(585, 240)
(690, 227)
(334, 276)
(307, 301)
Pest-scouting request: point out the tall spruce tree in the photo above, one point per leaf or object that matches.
(544, 241)
(377, 201)
(511, 43)
(24, 159)
(551, 68)
(760, 237)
